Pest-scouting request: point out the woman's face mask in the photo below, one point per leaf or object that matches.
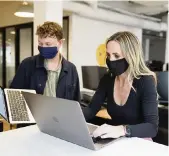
(117, 67)
(115, 61)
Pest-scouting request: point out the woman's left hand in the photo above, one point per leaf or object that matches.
(108, 131)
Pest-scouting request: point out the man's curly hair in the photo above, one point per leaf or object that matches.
(50, 29)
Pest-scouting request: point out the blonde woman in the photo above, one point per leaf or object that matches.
(130, 89)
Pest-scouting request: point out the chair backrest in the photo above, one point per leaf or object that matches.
(162, 85)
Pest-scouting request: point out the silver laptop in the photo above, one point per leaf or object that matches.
(63, 119)
(13, 107)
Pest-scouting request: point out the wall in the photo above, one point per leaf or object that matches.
(157, 49)
(165, 18)
(86, 35)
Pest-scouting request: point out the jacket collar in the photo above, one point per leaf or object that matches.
(40, 63)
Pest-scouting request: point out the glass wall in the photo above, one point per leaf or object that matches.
(10, 55)
(25, 43)
(15, 45)
(1, 60)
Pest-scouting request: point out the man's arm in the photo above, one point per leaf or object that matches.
(20, 79)
(76, 95)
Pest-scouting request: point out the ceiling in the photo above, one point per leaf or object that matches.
(148, 7)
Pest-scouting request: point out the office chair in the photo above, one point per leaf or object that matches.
(155, 65)
(162, 86)
(162, 89)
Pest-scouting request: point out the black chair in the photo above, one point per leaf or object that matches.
(162, 89)
(155, 65)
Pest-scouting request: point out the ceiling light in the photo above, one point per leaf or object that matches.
(12, 32)
(25, 10)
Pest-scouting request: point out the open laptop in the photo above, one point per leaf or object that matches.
(63, 119)
(13, 107)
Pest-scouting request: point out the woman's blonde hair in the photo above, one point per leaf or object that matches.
(133, 54)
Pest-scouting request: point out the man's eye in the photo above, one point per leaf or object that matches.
(48, 44)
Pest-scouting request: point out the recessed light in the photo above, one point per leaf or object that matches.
(12, 32)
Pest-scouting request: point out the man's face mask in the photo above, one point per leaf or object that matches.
(49, 47)
(48, 52)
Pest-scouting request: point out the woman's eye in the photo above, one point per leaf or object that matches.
(116, 56)
(108, 56)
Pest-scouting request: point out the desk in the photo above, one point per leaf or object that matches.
(6, 125)
(102, 114)
(29, 141)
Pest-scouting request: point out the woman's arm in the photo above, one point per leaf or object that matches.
(97, 100)
(149, 106)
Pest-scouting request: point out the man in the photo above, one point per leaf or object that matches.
(48, 72)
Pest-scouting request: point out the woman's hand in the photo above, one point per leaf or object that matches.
(108, 131)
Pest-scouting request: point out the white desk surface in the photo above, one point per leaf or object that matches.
(29, 141)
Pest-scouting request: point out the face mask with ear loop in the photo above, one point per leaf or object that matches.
(48, 52)
(117, 67)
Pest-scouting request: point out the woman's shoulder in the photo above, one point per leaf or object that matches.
(145, 82)
(146, 78)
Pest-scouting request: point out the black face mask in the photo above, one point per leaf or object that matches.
(117, 67)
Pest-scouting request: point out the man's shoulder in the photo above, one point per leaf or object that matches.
(68, 64)
(30, 59)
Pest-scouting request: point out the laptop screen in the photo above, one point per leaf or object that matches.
(2, 105)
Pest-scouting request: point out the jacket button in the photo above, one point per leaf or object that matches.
(40, 85)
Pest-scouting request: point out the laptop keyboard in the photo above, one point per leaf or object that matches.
(17, 106)
(102, 140)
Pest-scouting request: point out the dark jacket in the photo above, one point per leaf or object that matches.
(32, 74)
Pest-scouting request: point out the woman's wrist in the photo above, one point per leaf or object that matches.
(127, 130)
(122, 130)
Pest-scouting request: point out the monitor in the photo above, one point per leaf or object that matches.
(91, 76)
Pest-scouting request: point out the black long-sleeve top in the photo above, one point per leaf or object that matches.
(140, 111)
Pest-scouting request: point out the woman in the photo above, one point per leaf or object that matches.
(130, 89)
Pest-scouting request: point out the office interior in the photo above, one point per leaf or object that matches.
(86, 26)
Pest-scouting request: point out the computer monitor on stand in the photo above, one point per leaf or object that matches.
(91, 76)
